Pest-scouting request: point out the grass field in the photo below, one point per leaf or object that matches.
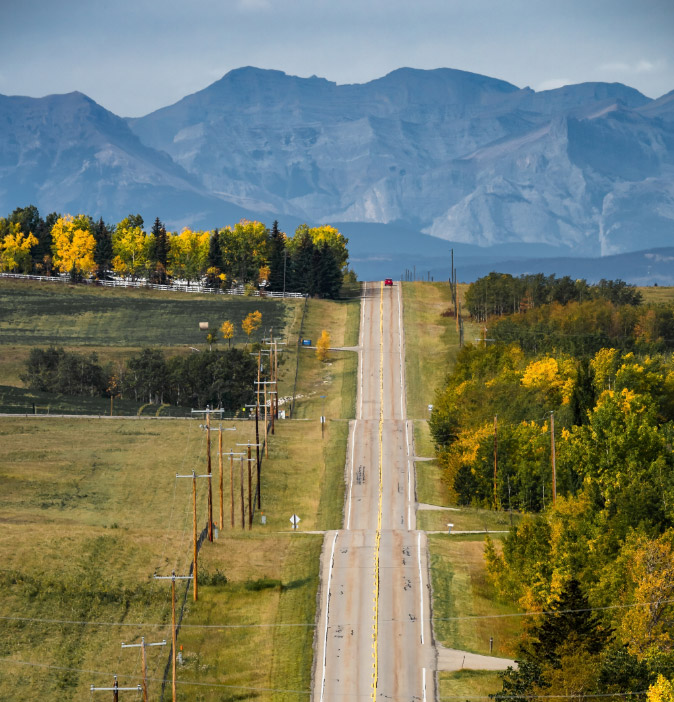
(468, 684)
(657, 294)
(461, 591)
(76, 315)
(91, 509)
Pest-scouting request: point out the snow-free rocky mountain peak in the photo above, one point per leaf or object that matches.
(586, 168)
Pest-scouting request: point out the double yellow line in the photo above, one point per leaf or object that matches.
(375, 622)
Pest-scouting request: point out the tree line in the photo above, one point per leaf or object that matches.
(596, 553)
(499, 294)
(314, 261)
(217, 378)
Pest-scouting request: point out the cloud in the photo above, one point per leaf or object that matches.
(636, 68)
(553, 84)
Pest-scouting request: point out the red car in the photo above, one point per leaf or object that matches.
(388, 281)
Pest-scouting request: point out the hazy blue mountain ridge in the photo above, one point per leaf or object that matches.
(585, 169)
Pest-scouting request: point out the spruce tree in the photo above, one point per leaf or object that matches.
(277, 259)
(214, 252)
(103, 252)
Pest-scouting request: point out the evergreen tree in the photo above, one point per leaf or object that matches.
(328, 273)
(277, 259)
(160, 253)
(214, 259)
(302, 275)
(103, 252)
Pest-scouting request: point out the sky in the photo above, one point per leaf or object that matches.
(135, 56)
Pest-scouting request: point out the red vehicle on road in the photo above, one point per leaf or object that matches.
(388, 281)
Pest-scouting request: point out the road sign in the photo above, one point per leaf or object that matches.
(295, 520)
(306, 342)
(450, 528)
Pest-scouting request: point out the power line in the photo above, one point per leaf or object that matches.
(308, 692)
(134, 677)
(311, 625)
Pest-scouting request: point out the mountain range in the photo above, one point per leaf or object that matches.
(583, 170)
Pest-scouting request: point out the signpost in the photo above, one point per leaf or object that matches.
(295, 520)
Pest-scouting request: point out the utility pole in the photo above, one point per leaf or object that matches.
(250, 485)
(231, 455)
(552, 452)
(194, 477)
(143, 661)
(495, 461)
(115, 689)
(265, 383)
(210, 482)
(174, 634)
(220, 429)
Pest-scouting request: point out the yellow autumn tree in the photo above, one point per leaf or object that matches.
(15, 250)
(251, 322)
(188, 254)
(554, 378)
(323, 346)
(131, 247)
(662, 690)
(227, 331)
(73, 245)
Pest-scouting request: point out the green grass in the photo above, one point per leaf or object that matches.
(430, 342)
(466, 519)
(92, 509)
(468, 684)
(337, 377)
(76, 315)
(461, 590)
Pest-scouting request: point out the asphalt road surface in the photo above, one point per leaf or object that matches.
(373, 636)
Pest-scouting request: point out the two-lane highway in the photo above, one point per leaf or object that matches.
(373, 637)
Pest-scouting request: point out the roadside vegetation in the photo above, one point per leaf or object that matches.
(594, 547)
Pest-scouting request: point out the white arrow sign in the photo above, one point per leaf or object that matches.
(295, 520)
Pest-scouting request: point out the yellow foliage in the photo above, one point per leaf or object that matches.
(227, 330)
(323, 346)
(605, 365)
(263, 273)
(252, 322)
(15, 249)
(662, 690)
(555, 379)
(73, 245)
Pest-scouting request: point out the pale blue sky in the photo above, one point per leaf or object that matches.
(134, 56)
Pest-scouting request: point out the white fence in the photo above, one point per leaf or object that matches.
(176, 287)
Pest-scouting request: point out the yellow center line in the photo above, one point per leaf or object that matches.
(375, 622)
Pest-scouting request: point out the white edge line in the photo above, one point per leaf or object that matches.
(361, 338)
(400, 350)
(424, 682)
(327, 611)
(421, 588)
(353, 447)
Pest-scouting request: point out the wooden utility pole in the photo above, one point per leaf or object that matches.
(495, 461)
(231, 455)
(249, 446)
(194, 477)
(243, 507)
(174, 634)
(552, 452)
(222, 506)
(208, 471)
(143, 661)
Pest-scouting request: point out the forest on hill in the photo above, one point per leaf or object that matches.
(565, 413)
